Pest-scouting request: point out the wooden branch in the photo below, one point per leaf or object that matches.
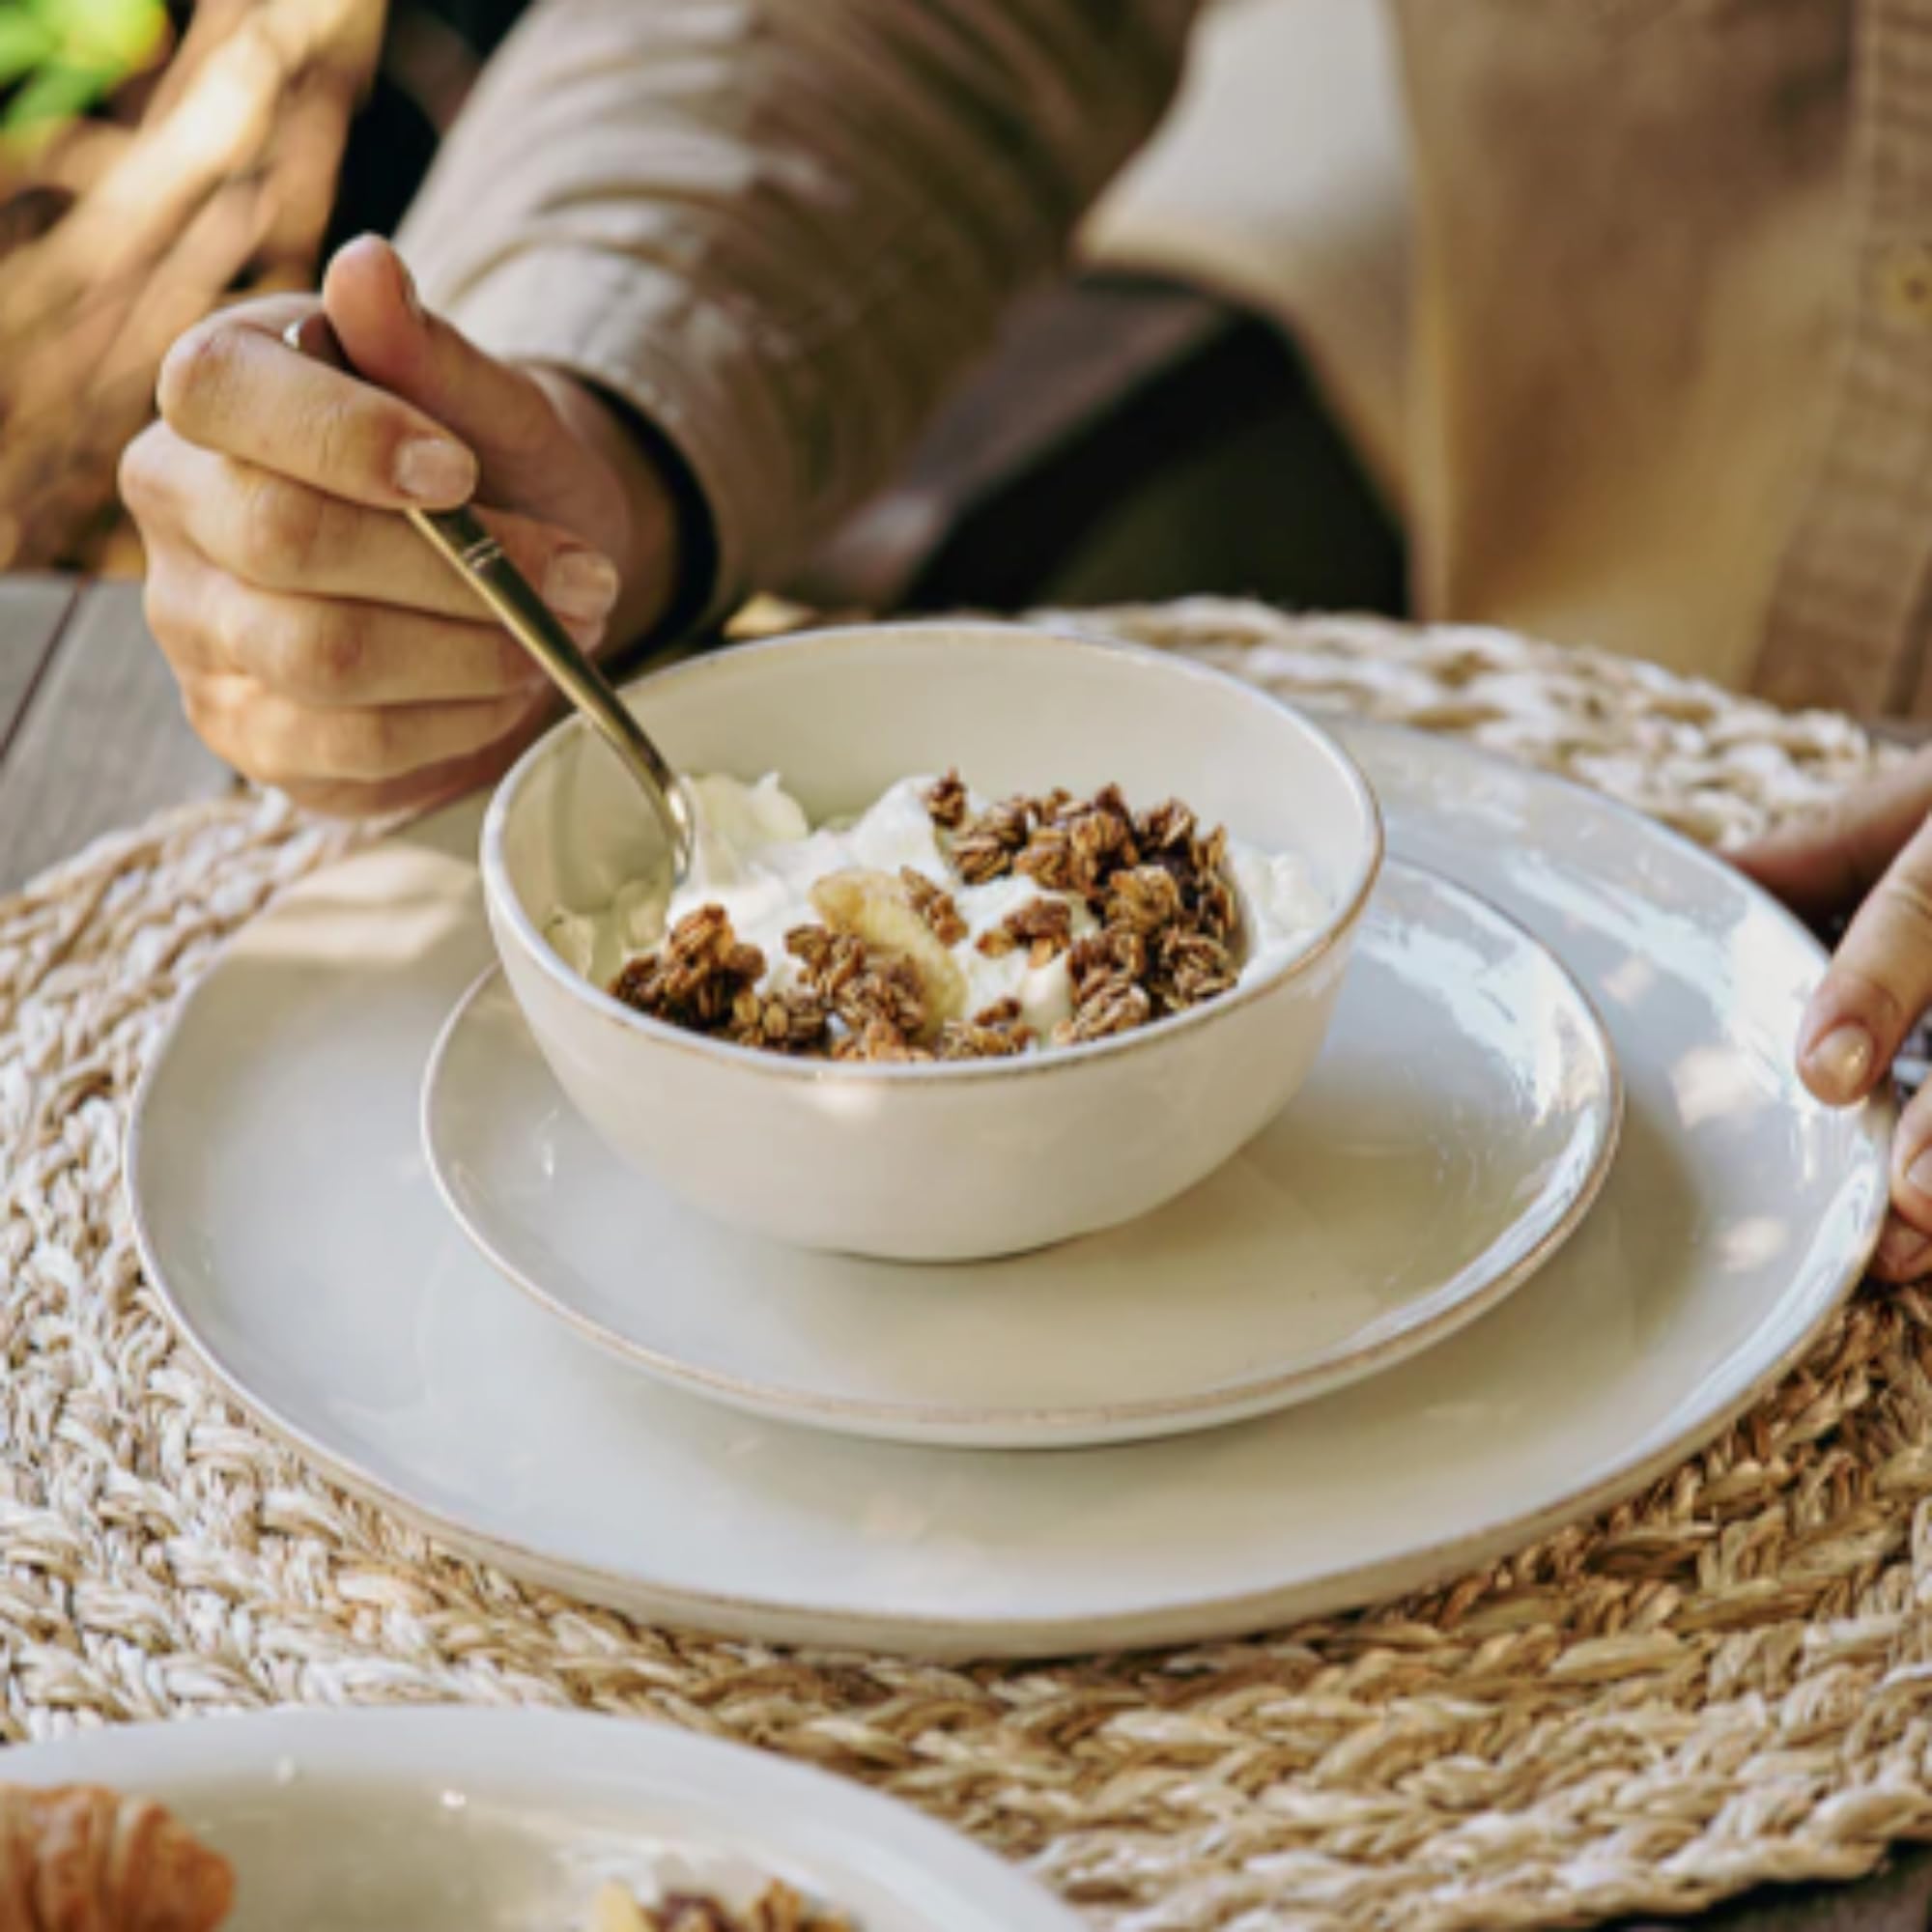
(216, 128)
(232, 170)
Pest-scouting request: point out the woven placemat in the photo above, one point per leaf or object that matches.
(1727, 1680)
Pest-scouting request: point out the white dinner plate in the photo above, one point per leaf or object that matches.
(1464, 1076)
(284, 1209)
(508, 1821)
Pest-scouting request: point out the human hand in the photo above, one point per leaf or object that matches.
(1872, 852)
(320, 645)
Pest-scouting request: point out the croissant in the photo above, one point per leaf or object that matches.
(81, 1859)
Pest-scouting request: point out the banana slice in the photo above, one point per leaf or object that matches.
(614, 1910)
(876, 907)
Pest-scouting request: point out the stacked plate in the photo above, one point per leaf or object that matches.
(1550, 1209)
(1460, 1120)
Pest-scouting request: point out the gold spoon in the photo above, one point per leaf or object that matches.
(459, 536)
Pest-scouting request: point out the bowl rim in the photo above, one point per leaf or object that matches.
(1003, 634)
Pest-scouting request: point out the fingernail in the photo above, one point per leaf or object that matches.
(433, 470)
(581, 583)
(1919, 1173)
(412, 300)
(1842, 1062)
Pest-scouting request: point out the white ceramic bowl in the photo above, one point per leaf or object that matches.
(954, 1161)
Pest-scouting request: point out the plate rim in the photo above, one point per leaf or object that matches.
(614, 1754)
(1146, 1418)
(990, 1635)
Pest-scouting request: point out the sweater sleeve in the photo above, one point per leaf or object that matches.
(779, 228)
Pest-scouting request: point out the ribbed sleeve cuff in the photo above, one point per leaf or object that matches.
(685, 366)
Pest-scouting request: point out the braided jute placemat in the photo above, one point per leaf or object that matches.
(1727, 1680)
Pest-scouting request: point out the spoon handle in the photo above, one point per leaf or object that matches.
(464, 542)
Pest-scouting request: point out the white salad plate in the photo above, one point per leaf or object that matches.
(501, 1821)
(285, 1212)
(1464, 1077)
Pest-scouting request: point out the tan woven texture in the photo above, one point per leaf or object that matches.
(1727, 1680)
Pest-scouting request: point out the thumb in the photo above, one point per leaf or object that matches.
(393, 341)
(1828, 862)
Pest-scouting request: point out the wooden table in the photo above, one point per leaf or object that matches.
(92, 735)
(92, 738)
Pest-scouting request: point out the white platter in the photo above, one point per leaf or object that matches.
(507, 1821)
(1464, 1076)
(284, 1209)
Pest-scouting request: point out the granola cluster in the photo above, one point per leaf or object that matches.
(703, 981)
(934, 904)
(1156, 882)
(877, 981)
(776, 1908)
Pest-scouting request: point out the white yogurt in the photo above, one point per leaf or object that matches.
(758, 857)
